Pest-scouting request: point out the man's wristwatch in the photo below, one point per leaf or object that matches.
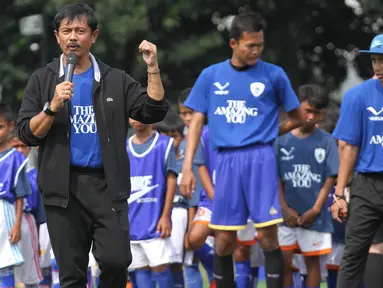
(47, 109)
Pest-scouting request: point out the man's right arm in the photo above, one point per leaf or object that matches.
(347, 156)
(30, 107)
(348, 131)
(33, 124)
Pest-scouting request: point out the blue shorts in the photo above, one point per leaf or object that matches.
(193, 202)
(246, 187)
(205, 201)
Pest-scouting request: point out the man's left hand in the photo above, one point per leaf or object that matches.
(308, 218)
(149, 53)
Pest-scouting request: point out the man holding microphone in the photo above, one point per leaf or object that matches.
(81, 129)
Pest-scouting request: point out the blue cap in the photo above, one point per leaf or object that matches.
(376, 46)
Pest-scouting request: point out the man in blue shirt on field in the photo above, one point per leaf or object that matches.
(360, 134)
(241, 98)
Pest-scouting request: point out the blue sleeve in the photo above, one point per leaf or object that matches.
(22, 187)
(197, 99)
(332, 160)
(348, 128)
(39, 213)
(286, 95)
(171, 162)
(198, 158)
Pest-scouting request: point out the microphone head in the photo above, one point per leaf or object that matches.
(71, 59)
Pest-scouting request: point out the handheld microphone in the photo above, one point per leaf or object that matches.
(71, 62)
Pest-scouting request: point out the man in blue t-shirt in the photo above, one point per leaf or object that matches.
(307, 164)
(241, 98)
(359, 131)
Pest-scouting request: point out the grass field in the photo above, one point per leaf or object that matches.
(261, 284)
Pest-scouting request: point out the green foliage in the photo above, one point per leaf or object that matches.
(306, 40)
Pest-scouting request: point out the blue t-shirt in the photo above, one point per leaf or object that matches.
(198, 160)
(170, 166)
(303, 166)
(242, 106)
(361, 124)
(13, 175)
(85, 148)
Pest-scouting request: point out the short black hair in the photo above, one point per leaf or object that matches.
(75, 11)
(171, 123)
(315, 95)
(249, 21)
(6, 112)
(184, 95)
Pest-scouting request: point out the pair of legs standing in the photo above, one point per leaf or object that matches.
(90, 216)
(247, 187)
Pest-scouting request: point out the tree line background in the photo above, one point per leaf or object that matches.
(309, 39)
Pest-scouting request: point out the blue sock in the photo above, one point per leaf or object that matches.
(55, 274)
(193, 276)
(242, 274)
(298, 280)
(313, 286)
(97, 280)
(164, 279)
(90, 279)
(178, 279)
(47, 280)
(254, 278)
(7, 278)
(143, 278)
(304, 277)
(206, 255)
(331, 278)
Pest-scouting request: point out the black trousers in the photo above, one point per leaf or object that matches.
(365, 217)
(90, 216)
